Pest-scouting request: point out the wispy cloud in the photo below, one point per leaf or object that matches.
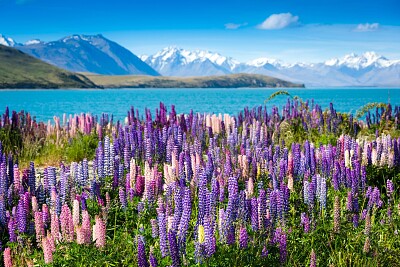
(279, 21)
(234, 26)
(367, 27)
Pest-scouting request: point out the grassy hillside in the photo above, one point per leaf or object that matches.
(225, 81)
(19, 70)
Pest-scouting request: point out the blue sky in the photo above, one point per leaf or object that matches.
(291, 30)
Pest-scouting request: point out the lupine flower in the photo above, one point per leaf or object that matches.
(152, 259)
(389, 188)
(313, 259)
(141, 252)
(75, 213)
(67, 225)
(122, 198)
(99, 232)
(86, 227)
(336, 215)
(367, 224)
(367, 245)
(47, 251)
(243, 237)
(55, 226)
(173, 249)
(39, 226)
(7, 258)
(162, 224)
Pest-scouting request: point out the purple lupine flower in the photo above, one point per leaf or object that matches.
(178, 207)
(210, 242)
(21, 215)
(154, 228)
(254, 214)
(162, 224)
(389, 188)
(173, 249)
(152, 259)
(185, 218)
(12, 227)
(141, 252)
(305, 221)
(122, 198)
(243, 238)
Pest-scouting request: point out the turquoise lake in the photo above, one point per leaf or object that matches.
(44, 104)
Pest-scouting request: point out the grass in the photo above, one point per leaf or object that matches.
(19, 70)
(225, 81)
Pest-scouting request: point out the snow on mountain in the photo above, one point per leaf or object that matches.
(33, 42)
(7, 41)
(173, 61)
(365, 60)
(89, 53)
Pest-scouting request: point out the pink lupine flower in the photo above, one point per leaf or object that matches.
(47, 251)
(86, 228)
(7, 258)
(99, 232)
(67, 225)
(55, 226)
(75, 212)
(39, 226)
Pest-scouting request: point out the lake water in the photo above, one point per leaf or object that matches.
(44, 104)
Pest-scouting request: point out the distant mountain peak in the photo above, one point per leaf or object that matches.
(173, 56)
(364, 60)
(33, 42)
(7, 41)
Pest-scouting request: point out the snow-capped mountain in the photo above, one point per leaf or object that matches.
(33, 42)
(7, 41)
(368, 69)
(365, 60)
(88, 53)
(173, 61)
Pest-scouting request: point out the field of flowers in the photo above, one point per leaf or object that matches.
(297, 186)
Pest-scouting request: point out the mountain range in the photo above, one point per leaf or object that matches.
(97, 54)
(85, 53)
(368, 69)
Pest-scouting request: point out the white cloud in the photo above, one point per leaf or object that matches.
(367, 27)
(279, 21)
(234, 26)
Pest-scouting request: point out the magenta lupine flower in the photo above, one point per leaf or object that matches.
(99, 234)
(7, 258)
(139, 185)
(173, 249)
(141, 252)
(243, 238)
